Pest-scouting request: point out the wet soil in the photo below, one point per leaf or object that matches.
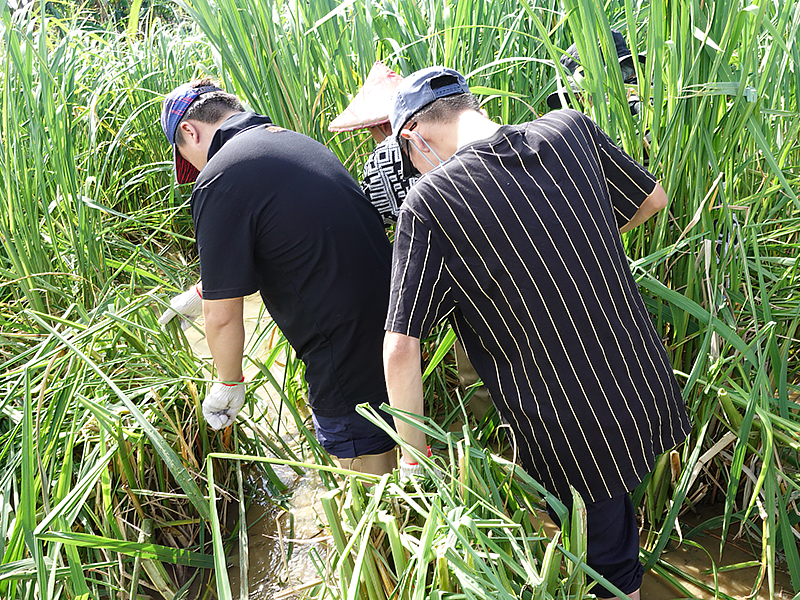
(282, 543)
(698, 563)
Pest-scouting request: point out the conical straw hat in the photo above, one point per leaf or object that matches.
(371, 104)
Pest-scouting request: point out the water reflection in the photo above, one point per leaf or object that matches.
(282, 542)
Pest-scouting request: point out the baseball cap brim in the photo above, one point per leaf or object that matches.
(175, 105)
(642, 58)
(560, 98)
(185, 172)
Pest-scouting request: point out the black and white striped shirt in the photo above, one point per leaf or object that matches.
(516, 239)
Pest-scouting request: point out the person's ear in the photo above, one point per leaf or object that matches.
(191, 134)
(413, 137)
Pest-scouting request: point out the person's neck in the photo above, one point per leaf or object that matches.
(208, 130)
(197, 152)
(474, 126)
(445, 139)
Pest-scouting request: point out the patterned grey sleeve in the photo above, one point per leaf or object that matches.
(383, 182)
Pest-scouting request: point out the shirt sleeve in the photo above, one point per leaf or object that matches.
(629, 183)
(225, 233)
(383, 183)
(421, 293)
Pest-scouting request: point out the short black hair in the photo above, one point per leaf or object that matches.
(209, 107)
(445, 110)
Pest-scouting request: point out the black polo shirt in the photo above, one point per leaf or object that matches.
(516, 238)
(277, 212)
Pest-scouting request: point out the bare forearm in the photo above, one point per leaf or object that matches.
(401, 358)
(225, 335)
(656, 201)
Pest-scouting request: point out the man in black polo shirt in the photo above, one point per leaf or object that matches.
(513, 232)
(276, 212)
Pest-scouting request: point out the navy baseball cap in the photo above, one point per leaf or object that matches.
(415, 93)
(175, 106)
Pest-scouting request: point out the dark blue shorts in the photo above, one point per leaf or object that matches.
(352, 435)
(612, 545)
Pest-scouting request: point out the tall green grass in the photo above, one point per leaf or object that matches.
(472, 527)
(102, 439)
(719, 127)
(105, 457)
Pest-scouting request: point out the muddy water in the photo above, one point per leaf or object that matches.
(275, 534)
(697, 562)
(274, 531)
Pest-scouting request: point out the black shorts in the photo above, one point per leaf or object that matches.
(351, 435)
(612, 545)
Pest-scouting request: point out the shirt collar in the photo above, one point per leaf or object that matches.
(233, 126)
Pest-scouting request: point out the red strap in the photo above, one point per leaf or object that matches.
(197, 289)
(240, 381)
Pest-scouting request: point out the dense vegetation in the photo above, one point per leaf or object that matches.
(105, 484)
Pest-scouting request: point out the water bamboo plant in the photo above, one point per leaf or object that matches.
(105, 487)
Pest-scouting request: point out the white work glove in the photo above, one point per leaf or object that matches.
(409, 470)
(188, 305)
(223, 403)
(413, 469)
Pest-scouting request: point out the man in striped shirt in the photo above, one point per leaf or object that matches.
(513, 233)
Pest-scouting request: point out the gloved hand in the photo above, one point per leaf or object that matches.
(222, 403)
(408, 470)
(188, 305)
(414, 469)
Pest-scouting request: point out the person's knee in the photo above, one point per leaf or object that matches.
(373, 464)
